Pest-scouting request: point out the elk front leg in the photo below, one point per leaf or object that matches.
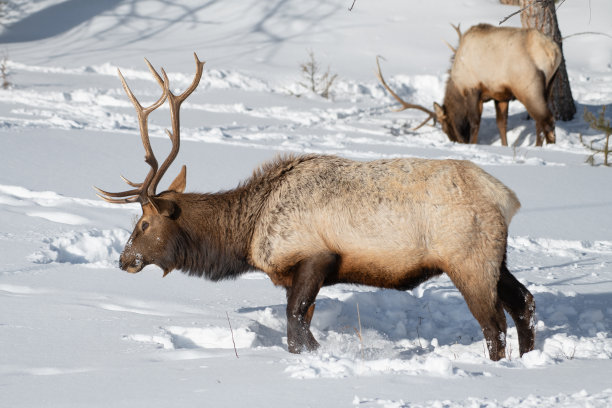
(474, 116)
(308, 277)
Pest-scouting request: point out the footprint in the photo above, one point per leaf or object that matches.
(60, 217)
(117, 308)
(22, 290)
(161, 341)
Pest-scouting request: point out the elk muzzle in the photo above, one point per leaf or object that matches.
(130, 261)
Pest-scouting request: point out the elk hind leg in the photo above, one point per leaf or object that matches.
(535, 101)
(501, 118)
(482, 300)
(520, 304)
(308, 277)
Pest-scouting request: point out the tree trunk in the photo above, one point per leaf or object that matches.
(511, 2)
(541, 15)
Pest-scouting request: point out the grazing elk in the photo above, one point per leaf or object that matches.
(314, 220)
(499, 63)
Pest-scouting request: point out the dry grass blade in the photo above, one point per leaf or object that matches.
(232, 331)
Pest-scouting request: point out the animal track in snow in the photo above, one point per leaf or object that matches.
(18, 196)
(59, 217)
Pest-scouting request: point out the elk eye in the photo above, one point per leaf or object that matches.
(144, 225)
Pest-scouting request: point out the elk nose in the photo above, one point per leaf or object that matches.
(126, 261)
(122, 263)
(131, 264)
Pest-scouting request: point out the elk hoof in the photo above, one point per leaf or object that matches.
(297, 346)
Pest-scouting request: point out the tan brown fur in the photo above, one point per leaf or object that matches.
(499, 63)
(314, 220)
(406, 207)
(500, 57)
(311, 221)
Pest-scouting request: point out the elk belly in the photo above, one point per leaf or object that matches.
(398, 270)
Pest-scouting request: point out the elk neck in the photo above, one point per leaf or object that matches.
(457, 103)
(215, 231)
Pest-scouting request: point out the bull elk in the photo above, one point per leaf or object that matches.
(314, 220)
(499, 63)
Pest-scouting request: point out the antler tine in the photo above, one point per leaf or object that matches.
(129, 193)
(130, 182)
(405, 105)
(458, 30)
(175, 102)
(119, 201)
(139, 108)
(425, 121)
(453, 49)
(132, 196)
(194, 84)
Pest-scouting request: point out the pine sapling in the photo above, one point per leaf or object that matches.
(601, 124)
(4, 73)
(315, 81)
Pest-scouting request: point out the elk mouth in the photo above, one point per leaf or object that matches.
(134, 265)
(134, 268)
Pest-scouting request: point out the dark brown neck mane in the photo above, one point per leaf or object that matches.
(457, 113)
(215, 232)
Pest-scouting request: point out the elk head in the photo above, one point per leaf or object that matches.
(152, 240)
(453, 122)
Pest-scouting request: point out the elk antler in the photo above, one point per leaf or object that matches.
(143, 191)
(458, 30)
(175, 102)
(405, 105)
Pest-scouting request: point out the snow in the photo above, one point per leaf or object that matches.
(76, 331)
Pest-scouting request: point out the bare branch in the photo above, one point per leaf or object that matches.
(521, 10)
(586, 33)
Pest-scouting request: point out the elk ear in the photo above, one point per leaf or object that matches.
(165, 207)
(440, 112)
(179, 183)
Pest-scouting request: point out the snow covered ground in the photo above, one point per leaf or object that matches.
(76, 331)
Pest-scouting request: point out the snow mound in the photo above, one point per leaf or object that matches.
(177, 337)
(579, 399)
(93, 247)
(211, 337)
